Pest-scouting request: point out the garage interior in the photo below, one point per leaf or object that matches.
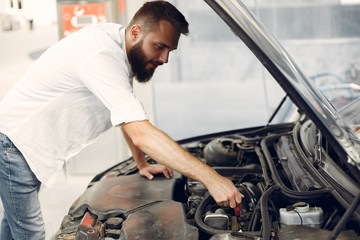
(185, 98)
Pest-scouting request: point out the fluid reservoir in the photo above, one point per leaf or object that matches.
(301, 214)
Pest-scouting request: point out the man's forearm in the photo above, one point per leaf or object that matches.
(138, 155)
(145, 169)
(164, 150)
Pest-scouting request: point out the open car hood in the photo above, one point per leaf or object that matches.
(297, 86)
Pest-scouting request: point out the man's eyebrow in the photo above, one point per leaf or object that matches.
(166, 46)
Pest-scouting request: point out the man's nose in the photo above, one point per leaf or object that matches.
(164, 57)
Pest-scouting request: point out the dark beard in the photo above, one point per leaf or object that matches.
(138, 64)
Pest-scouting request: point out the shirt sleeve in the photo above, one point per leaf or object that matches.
(106, 75)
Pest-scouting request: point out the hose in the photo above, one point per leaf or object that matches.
(266, 223)
(199, 218)
(345, 218)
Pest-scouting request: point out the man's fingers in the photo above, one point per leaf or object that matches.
(232, 203)
(170, 171)
(238, 198)
(146, 174)
(151, 169)
(149, 176)
(222, 204)
(166, 173)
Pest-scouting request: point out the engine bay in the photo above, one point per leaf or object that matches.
(287, 194)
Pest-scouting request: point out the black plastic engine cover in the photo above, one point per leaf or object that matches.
(119, 195)
(161, 221)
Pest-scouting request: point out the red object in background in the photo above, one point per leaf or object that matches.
(77, 16)
(122, 6)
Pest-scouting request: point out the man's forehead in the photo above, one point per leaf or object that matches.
(166, 35)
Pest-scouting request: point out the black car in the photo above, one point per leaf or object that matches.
(300, 173)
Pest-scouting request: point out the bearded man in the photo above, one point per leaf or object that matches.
(79, 88)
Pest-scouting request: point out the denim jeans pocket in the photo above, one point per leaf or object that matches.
(4, 166)
(2, 141)
(8, 145)
(15, 163)
(2, 137)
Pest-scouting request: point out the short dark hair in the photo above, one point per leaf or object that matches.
(149, 15)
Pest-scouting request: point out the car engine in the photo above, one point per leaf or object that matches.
(283, 171)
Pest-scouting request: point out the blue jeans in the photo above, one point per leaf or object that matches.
(19, 190)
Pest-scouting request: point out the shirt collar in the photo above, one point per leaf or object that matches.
(123, 46)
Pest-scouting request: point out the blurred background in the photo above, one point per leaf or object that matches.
(212, 83)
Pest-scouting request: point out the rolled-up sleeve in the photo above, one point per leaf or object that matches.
(106, 75)
(129, 112)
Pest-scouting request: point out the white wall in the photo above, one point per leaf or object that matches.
(4, 5)
(43, 12)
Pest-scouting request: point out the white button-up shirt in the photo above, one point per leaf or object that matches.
(79, 88)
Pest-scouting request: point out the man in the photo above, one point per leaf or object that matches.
(79, 88)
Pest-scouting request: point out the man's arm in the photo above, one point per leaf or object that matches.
(145, 169)
(164, 150)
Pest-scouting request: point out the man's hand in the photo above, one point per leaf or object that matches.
(145, 169)
(224, 192)
(148, 170)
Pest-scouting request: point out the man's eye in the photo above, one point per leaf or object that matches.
(160, 47)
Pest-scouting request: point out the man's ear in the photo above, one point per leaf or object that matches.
(135, 32)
